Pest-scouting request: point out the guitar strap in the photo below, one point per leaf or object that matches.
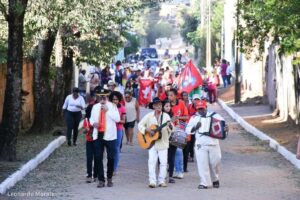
(161, 118)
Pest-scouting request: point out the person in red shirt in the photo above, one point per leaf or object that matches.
(91, 145)
(164, 94)
(180, 117)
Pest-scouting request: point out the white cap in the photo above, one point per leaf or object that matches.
(196, 96)
(134, 68)
(111, 82)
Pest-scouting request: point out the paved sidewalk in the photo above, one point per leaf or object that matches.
(252, 111)
(249, 170)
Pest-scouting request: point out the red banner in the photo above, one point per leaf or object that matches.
(145, 92)
(189, 79)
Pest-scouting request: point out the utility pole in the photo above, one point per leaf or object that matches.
(237, 96)
(222, 40)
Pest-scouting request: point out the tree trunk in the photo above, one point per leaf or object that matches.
(10, 126)
(286, 88)
(68, 71)
(41, 86)
(63, 78)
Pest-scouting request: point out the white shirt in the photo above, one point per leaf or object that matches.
(71, 103)
(202, 139)
(112, 117)
(229, 70)
(150, 119)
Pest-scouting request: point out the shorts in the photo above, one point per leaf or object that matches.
(129, 124)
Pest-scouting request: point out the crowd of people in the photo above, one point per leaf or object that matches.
(113, 111)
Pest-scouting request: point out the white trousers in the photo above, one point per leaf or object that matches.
(208, 163)
(163, 159)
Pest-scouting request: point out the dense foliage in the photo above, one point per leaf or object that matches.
(101, 25)
(273, 21)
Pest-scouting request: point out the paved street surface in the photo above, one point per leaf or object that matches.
(250, 170)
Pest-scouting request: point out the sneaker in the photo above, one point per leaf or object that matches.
(162, 185)
(179, 176)
(216, 184)
(175, 175)
(89, 179)
(95, 179)
(74, 144)
(202, 187)
(171, 180)
(69, 143)
(152, 185)
(109, 182)
(101, 184)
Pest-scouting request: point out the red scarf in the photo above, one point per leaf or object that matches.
(102, 119)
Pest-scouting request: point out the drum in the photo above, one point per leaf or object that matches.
(178, 138)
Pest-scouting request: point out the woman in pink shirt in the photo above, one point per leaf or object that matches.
(224, 72)
(116, 98)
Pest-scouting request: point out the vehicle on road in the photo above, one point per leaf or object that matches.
(148, 53)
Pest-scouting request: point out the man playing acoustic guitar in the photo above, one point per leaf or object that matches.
(160, 147)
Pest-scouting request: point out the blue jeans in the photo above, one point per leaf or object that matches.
(136, 93)
(179, 161)
(82, 93)
(224, 78)
(118, 149)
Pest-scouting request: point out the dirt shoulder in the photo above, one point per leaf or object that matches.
(285, 133)
(28, 146)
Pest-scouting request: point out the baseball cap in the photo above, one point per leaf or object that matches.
(196, 96)
(100, 91)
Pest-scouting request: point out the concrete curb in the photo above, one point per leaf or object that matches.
(261, 135)
(30, 165)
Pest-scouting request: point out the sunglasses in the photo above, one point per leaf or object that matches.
(102, 98)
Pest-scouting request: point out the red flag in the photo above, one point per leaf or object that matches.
(145, 92)
(190, 78)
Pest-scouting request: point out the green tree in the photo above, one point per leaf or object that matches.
(90, 32)
(276, 21)
(133, 43)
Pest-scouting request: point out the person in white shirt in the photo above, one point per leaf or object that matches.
(104, 117)
(228, 73)
(160, 149)
(207, 149)
(72, 107)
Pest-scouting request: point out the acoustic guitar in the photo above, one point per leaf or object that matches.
(146, 141)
